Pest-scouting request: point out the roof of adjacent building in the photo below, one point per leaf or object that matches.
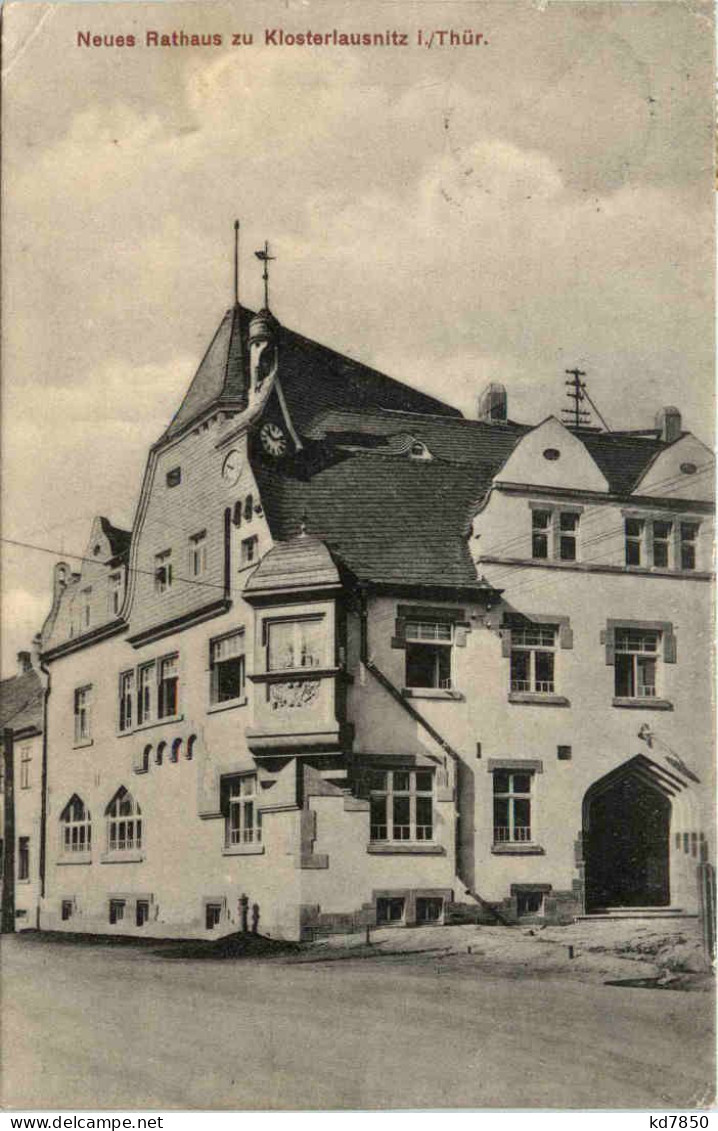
(313, 378)
(21, 701)
(393, 520)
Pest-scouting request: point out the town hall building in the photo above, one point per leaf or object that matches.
(362, 660)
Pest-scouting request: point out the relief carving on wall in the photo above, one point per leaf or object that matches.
(295, 693)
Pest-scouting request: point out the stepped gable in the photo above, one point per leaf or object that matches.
(387, 519)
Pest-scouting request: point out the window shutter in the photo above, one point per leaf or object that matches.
(565, 634)
(669, 645)
(608, 637)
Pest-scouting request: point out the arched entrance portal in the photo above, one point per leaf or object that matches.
(626, 839)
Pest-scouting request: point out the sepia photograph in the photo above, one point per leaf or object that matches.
(357, 703)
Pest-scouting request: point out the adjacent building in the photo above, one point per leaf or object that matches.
(21, 767)
(363, 660)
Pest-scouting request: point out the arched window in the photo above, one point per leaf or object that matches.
(248, 507)
(124, 822)
(176, 749)
(190, 746)
(76, 827)
(237, 513)
(160, 752)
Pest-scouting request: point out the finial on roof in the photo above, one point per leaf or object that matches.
(236, 262)
(265, 258)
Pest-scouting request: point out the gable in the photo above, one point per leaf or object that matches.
(685, 470)
(551, 456)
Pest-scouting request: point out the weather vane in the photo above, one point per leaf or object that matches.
(265, 258)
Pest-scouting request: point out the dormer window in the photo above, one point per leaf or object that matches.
(295, 644)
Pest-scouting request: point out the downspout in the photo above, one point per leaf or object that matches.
(227, 553)
(396, 694)
(43, 790)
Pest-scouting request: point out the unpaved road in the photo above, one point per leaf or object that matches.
(100, 1028)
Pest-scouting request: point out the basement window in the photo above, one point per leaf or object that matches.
(390, 909)
(66, 910)
(429, 909)
(212, 915)
(117, 911)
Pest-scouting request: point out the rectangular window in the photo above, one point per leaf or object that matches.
(662, 532)
(163, 571)
(529, 903)
(568, 531)
(540, 530)
(198, 554)
(688, 540)
(401, 805)
(168, 687)
(142, 912)
(115, 593)
(554, 534)
(127, 695)
(212, 915)
(25, 766)
(146, 693)
(633, 528)
(117, 910)
(429, 909)
(635, 664)
(226, 665)
(390, 909)
(248, 551)
(83, 703)
(512, 807)
(243, 821)
(23, 858)
(295, 644)
(66, 910)
(533, 658)
(428, 654)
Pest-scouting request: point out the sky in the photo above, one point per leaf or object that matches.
(492, 211)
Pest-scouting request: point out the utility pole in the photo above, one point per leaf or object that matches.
(8, 871)
(576, 393)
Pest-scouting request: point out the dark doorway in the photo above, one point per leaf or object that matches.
(626, 841)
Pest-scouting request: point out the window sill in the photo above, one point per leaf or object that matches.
(539, 699)
(228, 705)
(81, 743)
(243, 850)
(379, 848)
(291, 674)
(643, 704)
(169, 720)
(133, 857)
(26, 880)
(431, 693)
(80, 859)
(517, 850)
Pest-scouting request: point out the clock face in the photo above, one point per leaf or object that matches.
(232, 467)
(273, 439)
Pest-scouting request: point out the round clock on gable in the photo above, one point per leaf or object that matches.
(273, 439)
(232, 467)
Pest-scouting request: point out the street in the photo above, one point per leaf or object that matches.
(95, 1027)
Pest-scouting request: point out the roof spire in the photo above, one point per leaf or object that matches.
(265, 258)
(236, 262)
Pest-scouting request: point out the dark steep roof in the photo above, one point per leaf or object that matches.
(313, 378)
(389, 520)
(220, 376)
(622, 457)
(21, 701)
(119, 539)
(451, 438)
(303, 562)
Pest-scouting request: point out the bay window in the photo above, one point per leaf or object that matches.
(295, 644)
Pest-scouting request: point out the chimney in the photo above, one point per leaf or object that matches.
(668, 424)
(24, 663)
(493, 404)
